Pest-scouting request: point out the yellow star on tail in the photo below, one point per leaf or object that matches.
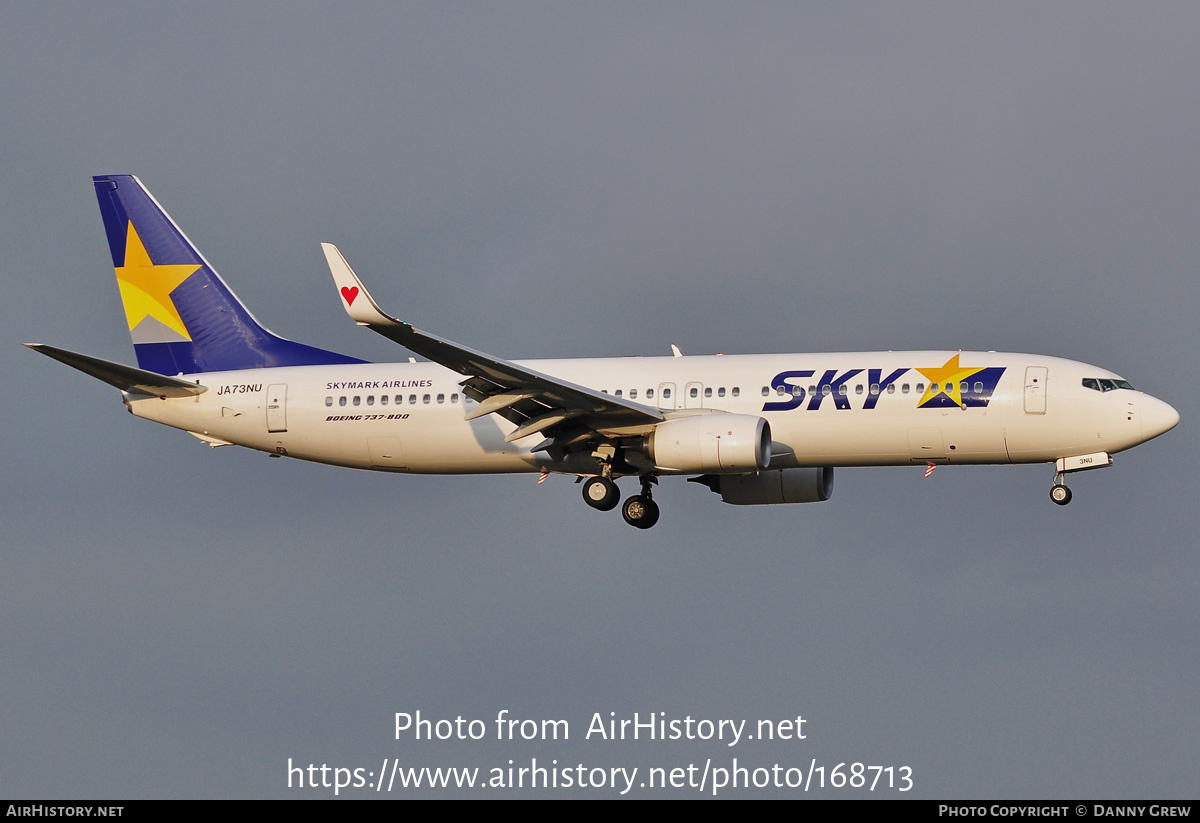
(146, 288)
(948, 378)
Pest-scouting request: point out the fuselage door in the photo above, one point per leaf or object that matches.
(925, 445)
(693, 396)
(386, 452)
(277, 407)
(1035, 390)
(666, 395)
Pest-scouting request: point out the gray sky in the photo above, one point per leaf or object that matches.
(546, 180)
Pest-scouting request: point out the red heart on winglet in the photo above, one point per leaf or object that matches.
(349, 292)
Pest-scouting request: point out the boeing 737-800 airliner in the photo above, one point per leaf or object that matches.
(756, 429)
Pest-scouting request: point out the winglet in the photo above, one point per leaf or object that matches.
(357, 301)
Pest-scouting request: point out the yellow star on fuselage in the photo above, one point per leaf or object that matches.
(146, 288)
(948, 378)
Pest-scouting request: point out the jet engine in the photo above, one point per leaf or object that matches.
(779, 486)
(711, 443)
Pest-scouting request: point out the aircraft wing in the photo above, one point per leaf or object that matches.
(125, 378)
(566, 413)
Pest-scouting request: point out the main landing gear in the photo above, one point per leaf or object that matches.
(601, 493)
(640, 511)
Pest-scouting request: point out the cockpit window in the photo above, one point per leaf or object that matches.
(1104, 384)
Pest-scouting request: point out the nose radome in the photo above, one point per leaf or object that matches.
(1157, 417)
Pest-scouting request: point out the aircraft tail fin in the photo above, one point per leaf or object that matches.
(181, 315)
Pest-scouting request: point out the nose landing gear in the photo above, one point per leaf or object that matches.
(1059, 492)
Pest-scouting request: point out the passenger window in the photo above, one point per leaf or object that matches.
(874, 389)
(766, 391)
(342, 400)
(370, 400)
(736, 391)
(921, 387)
(383, 399)
(425, 400)
(441, 399)
(780, 390)
(454, 398)
(708, 392)
(412, 399)
(650, 394)
(933, 387)
(825, 390)
(904, 389)
(694, 392)
(858, 389)
(399, 399)
(797, 391)
(666, 393)
(618, 392)
(842, 390)
(978, 388)
(329, 401)
(633, 394)
(357, 400)
(892, 388)
(721, 392)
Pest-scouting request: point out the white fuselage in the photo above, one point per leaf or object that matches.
(409, 416)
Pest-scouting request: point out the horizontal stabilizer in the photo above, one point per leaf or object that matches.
(125, 378)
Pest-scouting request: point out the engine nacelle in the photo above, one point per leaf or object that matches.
(780, 486)
(711, 443)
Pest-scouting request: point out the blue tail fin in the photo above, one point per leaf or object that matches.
(182, 316)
